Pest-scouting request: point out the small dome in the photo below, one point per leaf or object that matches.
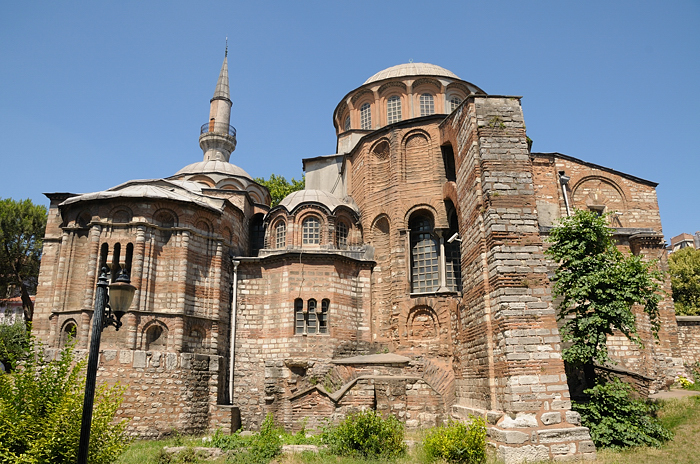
(213, 166)
(411, 69)
(331, 202)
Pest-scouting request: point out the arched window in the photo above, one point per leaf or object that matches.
(453, 103)
(366, 117)
(69, 333)
(280, 234)
(299, 319)
(453, 255)
(257, 234)
(427, 106)
(341, 235)
(323, 316)
(346, 125)
(424, 255)
(156, 338)
(311, 320)
(311, 231)
(393, 109)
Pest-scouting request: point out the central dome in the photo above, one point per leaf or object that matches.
(411, 69)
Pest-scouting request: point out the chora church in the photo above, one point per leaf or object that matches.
(408, 277)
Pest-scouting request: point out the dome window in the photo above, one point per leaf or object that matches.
(453, 103)
(346, 127)
(427, 105)
(366, 117)
(311, 231)
(341, 235)
(393, 109)
(280, 235)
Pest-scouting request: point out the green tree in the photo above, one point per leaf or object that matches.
(41, 406)
(22, 225)
(599, 285)
(684, 267)
(279, 187)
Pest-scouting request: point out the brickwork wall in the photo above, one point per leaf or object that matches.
(266, 342)
(689, 338)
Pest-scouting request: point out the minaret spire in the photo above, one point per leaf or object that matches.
(218, 137)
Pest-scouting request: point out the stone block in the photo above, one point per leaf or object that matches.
(550, 418)
(521, 454)
(126, 356)
(572, 417)
(140, 359)
(521, 420)
(586, 447)
(109, 355)
(560, 435)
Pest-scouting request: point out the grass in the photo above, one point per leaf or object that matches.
(682, 416)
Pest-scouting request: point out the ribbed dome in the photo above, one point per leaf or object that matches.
(331, 202)
(214, 166)
(411, 69)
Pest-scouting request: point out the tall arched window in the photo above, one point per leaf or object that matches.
(346, 125)
(323, 316)
(299, 320)
(366, 117)
(341, 235)
(425, 276)
(257, 234)
(311, 326)
(427, 105)
(311, 231)
(453, 103)
(393, 109)
(280, 234)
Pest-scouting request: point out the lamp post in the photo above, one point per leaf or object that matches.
(122, 293)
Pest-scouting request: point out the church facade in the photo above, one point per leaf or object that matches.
(408, 276)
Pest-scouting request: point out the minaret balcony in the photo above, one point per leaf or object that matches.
(218, 128)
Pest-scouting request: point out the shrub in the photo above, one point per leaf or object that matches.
(616, 420)
(14, 343)
(367, 435)
(260, 448)
(457, 442)
(41, 407)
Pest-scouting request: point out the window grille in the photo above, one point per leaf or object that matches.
(427, 105)
(341, 236)
(366, 117)
(323, 317)
(393, 109)
(280, 235)
(299, 319)
(311, 231)
(346, 127)
(454, 103)
(424, 256)
(310, 321)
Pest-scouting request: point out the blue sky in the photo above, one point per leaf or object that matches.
(93, 94)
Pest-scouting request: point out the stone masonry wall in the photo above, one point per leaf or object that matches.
(508, 343)
(689, 338)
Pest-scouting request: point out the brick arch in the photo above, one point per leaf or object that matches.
(416, 148)
(154, 335)
(165, 217)
(422, 324)
(121, 214)
(202, 179)
(598, 191)
(304, 212)
(65, 328)
(430, 209)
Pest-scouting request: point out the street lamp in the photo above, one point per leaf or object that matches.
(121, 293)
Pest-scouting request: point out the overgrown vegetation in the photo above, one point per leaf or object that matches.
(279, 187)
(616, 420)
(457, 442)
(366, 435)
(40, 412)
(684, 267)
(599, 286)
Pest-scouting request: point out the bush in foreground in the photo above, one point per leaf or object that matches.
(41, 405)
(366, 435)
(457, 442)
(260, 448)
(616, 420)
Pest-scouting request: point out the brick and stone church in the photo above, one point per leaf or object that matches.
(408, 276)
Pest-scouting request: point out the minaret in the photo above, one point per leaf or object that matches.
(218, 137)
